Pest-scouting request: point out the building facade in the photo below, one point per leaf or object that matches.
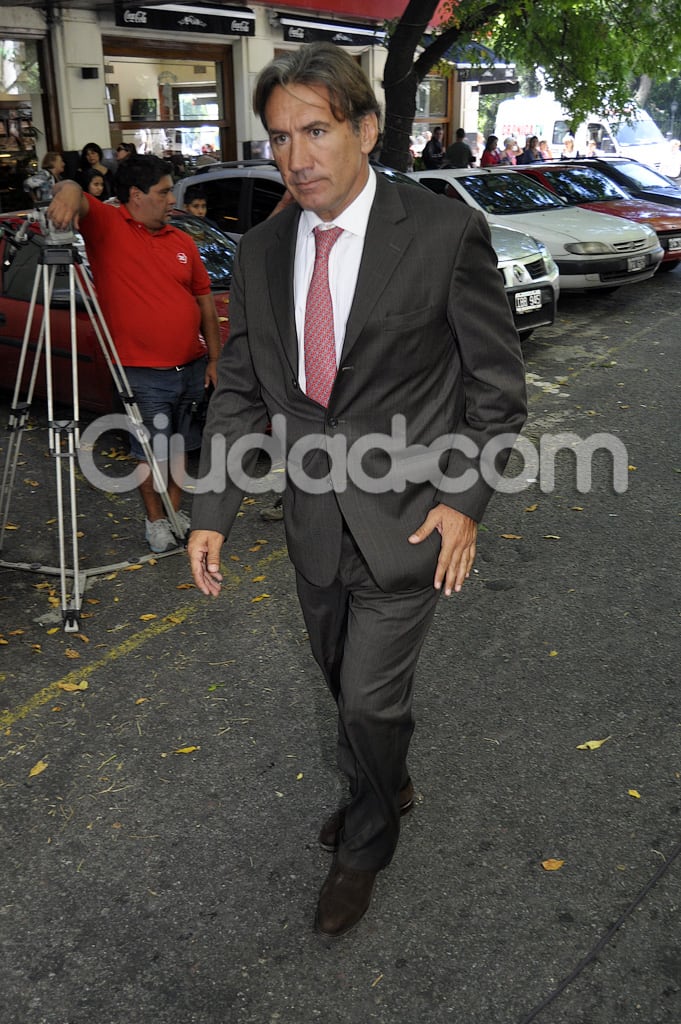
(174, 79)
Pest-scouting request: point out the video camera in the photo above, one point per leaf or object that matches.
(41, 188)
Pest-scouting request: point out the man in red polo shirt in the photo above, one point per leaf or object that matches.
(155, 295)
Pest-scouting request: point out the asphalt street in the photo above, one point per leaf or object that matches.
(164, 770)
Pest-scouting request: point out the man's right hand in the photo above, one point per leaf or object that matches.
(68, 205)
(204, 557)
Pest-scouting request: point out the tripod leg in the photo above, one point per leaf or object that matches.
(65, 434)
(19, 411)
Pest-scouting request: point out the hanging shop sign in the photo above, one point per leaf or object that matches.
(224, 21)
(298, 29)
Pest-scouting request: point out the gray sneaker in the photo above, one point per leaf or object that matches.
(185, 521)
(159, 536)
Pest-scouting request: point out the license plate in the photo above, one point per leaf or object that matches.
(525, 302)
(635, 263)
(675, 244)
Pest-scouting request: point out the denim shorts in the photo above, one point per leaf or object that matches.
(169, 402)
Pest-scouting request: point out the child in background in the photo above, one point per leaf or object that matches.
(94, 184)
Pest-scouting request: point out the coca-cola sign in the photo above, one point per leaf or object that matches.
(195, 17)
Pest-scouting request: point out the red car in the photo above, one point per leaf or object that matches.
(19, 265)
(586, 186)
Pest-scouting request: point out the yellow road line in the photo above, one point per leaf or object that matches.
(231, 581)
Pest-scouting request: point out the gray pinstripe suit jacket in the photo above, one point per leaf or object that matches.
(430, 337)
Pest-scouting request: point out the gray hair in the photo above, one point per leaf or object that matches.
(323, 64)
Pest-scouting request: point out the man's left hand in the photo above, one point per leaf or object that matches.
(457, 548)
(211, 373)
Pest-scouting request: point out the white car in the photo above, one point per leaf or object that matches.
(241, 194)
(591, 250)
(530, 278)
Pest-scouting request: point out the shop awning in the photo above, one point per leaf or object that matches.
(188, 17)
(299, 29)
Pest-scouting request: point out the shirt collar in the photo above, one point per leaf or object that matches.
(354, 217)
(129, 217)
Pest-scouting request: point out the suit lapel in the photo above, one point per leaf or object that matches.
(279, 263)
(388, 236)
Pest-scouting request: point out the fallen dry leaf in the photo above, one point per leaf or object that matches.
(186, 586)
(148, 617)
(593, 744)
(37, 768)
(129, 568)
(512, 536)
(258, 579)
(73, 687)
(70, 653)
(261, 597)
(551, 536)
(635, 793)
(532, 508)
(552, 865)
(186, 750)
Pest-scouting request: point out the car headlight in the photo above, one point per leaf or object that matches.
(588, 248)
(549, 263)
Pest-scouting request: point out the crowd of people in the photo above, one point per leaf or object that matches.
(428, 152)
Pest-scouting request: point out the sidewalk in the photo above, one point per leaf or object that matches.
(163, 867)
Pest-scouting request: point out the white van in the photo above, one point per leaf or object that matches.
(544, 117)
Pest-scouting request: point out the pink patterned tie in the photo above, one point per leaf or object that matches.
(320, 345)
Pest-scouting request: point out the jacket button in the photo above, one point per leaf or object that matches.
(294, 382)
(333, 422)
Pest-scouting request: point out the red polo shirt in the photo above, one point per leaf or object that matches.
(147, 285)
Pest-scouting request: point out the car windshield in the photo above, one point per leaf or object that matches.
(642, 176)
(509, 193)
(636, 133)
(216, 250)
(581, 184)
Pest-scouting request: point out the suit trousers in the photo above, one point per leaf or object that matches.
(367, 643)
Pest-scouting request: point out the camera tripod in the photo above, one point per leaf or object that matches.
(61, 252)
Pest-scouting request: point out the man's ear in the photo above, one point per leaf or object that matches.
(368, 132)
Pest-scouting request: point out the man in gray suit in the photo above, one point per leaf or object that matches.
(391, 454)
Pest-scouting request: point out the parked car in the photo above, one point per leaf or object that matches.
(241, 194)
(592, 250)
(637, 180)
(19, 265)
(592, 190)
(530, 278)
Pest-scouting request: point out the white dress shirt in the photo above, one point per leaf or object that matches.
(344, 261)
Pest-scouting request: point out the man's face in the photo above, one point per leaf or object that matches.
(324, 162)
(153, 208)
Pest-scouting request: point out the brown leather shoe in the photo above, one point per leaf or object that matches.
(330, 830)
(344, 899)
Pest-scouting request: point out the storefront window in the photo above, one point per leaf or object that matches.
(19, 88)
(171, 107)
(432, 107)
